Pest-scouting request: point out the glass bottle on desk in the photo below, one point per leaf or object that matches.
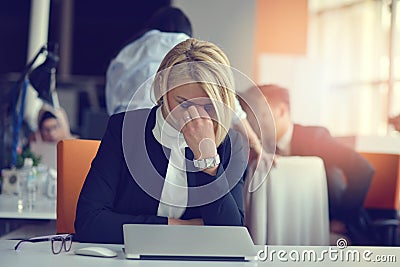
(27, 186)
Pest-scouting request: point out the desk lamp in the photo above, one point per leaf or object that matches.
(43, 80)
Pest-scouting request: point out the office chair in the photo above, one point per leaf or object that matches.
(290, 207)
(74, 158)
(383, 198)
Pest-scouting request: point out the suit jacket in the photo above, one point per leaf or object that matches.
(358, 172)
(126, 178)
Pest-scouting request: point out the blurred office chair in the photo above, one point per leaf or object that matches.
(290, 207)
(383, 198)
(74, 158)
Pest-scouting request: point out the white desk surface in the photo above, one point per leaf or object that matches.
(378, 144)
(39, 254)
(44, 208)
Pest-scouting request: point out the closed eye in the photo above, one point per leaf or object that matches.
(185, 104)
(209, 107)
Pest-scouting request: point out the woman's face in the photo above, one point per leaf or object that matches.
(184, 96)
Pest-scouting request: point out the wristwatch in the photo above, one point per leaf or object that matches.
(207, 162)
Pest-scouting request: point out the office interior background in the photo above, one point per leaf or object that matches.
(339, 58)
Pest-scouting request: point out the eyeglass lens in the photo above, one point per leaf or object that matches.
(58, 242)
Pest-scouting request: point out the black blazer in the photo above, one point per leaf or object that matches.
(357, 171)
(111, 197)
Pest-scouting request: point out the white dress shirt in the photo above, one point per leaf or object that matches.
(283, 143)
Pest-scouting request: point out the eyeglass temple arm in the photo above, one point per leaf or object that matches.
(30, 240)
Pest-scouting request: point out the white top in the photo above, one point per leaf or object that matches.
(134, 65)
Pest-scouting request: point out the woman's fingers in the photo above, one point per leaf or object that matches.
(203, 113)
(172, 221)
(196, 222)
(198, 131)
(194, 114)
(186, 116)
(184, 119)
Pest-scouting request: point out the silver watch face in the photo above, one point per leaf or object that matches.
(207, 163)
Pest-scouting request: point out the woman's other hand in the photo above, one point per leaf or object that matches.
(172, 221)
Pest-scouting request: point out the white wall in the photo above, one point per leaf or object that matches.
(304, 78)
(230, 24)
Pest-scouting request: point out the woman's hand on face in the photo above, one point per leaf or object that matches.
(172, 221)
(198, 130)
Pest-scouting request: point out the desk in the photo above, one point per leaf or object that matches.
(378, 144)
(39, 254)
(44, 209)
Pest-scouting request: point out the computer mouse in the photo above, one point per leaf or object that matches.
(96, 252)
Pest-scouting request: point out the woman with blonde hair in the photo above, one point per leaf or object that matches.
(177, 163)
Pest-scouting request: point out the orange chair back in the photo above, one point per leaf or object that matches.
(384, 192)
(74, 158)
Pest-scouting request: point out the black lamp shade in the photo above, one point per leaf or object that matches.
(41, 77)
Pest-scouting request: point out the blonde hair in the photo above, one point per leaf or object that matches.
(195, 61)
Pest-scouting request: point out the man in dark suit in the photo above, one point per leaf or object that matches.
(348, 174)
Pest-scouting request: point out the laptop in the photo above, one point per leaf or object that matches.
(188, 242)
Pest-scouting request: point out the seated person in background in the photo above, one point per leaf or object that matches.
(52, 126)
(49, 128)
(177, 163)
(348, 174)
